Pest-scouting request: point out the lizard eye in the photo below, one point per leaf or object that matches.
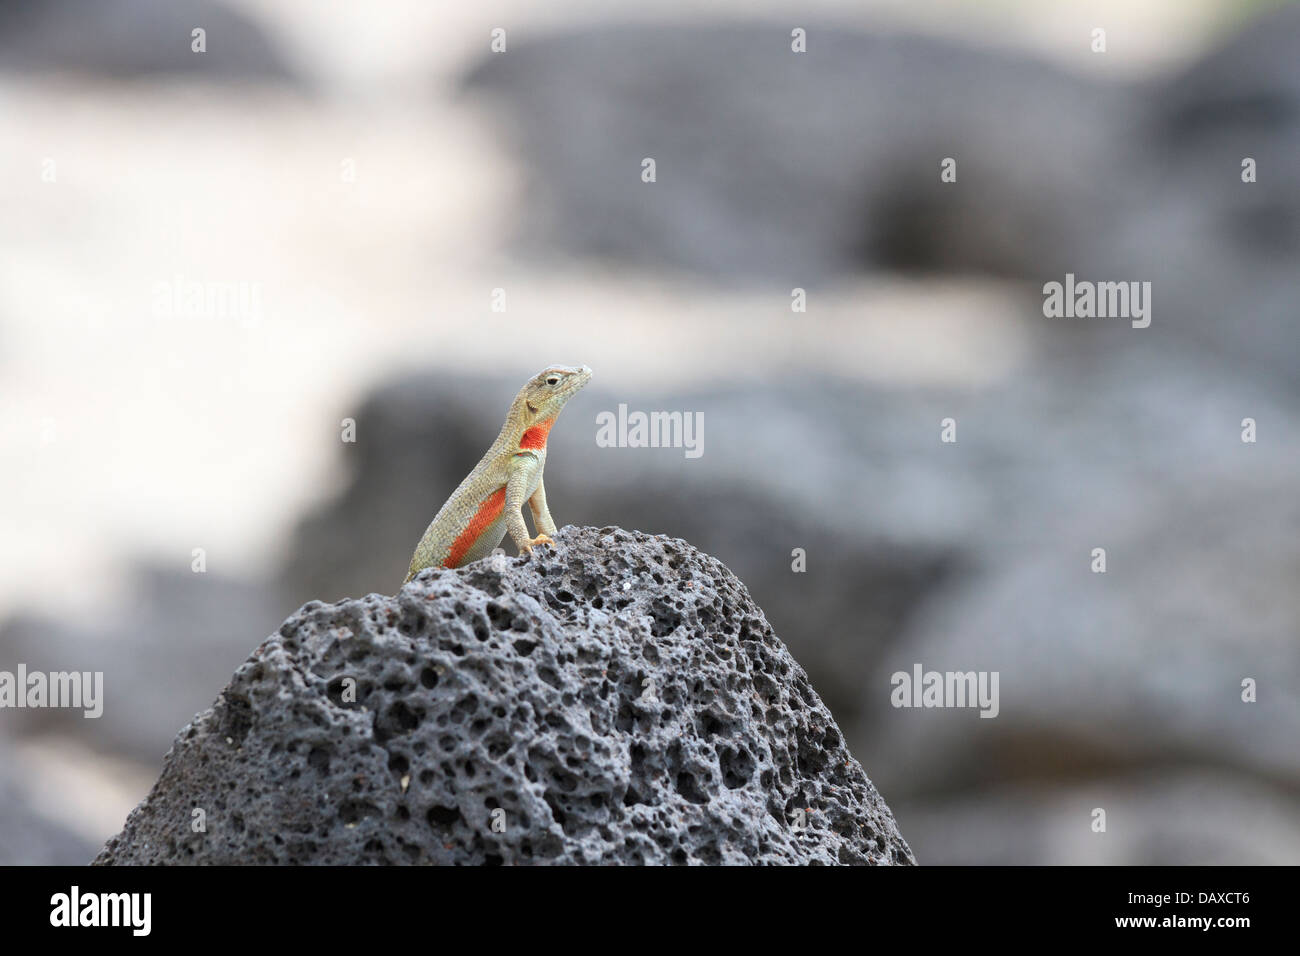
(553, 380)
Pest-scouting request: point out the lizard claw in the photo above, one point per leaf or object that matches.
(528, 546)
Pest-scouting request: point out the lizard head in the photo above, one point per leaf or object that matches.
(546, 393)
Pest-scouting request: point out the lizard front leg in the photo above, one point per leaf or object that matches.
(523, 468)
(542, 519)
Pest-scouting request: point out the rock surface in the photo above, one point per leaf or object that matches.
(791, 167)
(620, 699)
(134, 38)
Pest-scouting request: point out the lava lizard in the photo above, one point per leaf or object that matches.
(490, 501)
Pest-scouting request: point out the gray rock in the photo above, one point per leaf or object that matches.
(793, 167)
(28, 837)
(130, 38)
(175, 637)
(1159, 816)
(1249, 83)
(1107, 675)
(778, 169)
(745, 500)
(620, 698)
(1142, 665)
(1220, 253)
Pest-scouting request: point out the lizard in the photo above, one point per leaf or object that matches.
(489, 502)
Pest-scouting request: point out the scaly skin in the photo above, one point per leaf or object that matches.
(490, 501)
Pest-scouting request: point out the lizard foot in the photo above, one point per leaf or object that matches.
(540, 539)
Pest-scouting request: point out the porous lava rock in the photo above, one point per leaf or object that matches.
(616, 698)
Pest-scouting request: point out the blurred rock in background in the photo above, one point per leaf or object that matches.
(136, 39)
(159, 652)
(29, 836)
(791, 168)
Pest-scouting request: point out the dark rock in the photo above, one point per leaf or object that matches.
(1221, 253)
(130, 38)
(1198, 595)
(1249, 83)
(779, 169)
(620, 698)
(416, 439)
(793, 167)
(176, 636)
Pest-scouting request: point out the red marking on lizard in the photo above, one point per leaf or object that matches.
(535, 437)
(487, 513)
